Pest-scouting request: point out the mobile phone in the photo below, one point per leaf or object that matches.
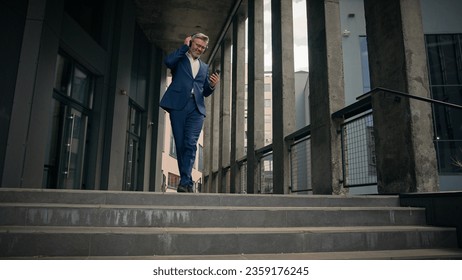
(217, 71)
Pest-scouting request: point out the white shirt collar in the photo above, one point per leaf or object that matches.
(194, 64)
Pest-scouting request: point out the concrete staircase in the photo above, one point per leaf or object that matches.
(132, 225)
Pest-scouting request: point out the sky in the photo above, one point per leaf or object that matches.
(300, 35)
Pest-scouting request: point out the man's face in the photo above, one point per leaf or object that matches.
(198, 47)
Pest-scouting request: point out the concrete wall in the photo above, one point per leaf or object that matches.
(301, 111)
(446, 20)
(353, 26)
(442, 16)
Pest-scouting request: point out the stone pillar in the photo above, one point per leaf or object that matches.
(157, 130)
(12, 23)
(255, 92)
(211, 137)
(405, 153)
(28, 126)
(208, 153)
(123, 66)
(326, 94)
(283, 91)
(215, 134)
(225, 119)
(238, 100)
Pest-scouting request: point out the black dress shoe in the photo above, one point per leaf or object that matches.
(181, 188)
(190, 189)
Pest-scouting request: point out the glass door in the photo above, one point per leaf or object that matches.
(69, 121)
(72, 149)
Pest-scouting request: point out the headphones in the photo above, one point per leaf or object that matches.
(193, 36)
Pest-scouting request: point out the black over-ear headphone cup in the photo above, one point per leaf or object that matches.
(192, 37)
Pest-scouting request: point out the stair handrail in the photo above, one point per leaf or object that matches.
(404, 94)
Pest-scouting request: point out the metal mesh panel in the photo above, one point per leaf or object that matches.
(266, 174)
(300, 160)
(359, 164)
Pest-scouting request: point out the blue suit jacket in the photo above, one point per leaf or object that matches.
(178, 93)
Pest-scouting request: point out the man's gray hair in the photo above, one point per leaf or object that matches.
(200, 36)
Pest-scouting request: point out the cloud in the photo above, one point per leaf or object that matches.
(299, 35)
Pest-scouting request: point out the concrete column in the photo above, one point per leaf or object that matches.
(215, 134)
(405, 154)
(122, 82)
(225, 117)
(283, 91)
(29, 121)
(12, 22)
(157, 130)
(211, 139)
(326, 93)
(208, 153)
(255, 92)
(238, 100)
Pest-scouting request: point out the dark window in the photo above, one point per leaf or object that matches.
(88, 14)
(66, 155)
(200, 166)
(173, 180)
(172, 147)
(140, 68)
(132, 156)
(445, 74)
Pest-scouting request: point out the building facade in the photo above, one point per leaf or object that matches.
(83, 79)
(80, 103)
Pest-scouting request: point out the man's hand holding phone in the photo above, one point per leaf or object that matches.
(215, 78)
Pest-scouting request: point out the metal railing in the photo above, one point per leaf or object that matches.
(358, 152)
(358, 148)
(300, 160)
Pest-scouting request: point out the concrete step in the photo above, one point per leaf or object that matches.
(44, 223)
(17, 195)
(36, 241)
(409, 254)
(102, 215)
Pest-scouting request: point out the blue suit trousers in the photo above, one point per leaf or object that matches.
(186, 126)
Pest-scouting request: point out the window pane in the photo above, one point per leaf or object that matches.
(63, 75)
(445, 71)
(448, 46)
(134, 121)
(81, 87)
(201, 159)
(173, 180)
(365, 64)
(449, 156)
(172, 147)
(447, 120)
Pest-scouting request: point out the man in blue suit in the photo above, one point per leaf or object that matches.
(184, 100)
